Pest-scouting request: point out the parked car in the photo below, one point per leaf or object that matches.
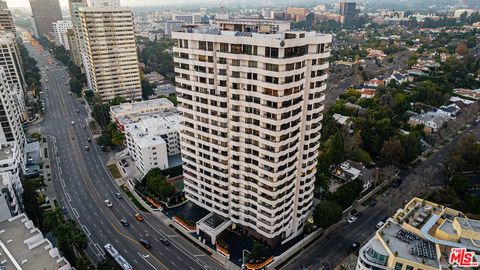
(145, 243)
(124, 222)
(108, 203)
(354, 247)
(351, 219)
(64, 210)
(139, 217)
(87, 148)
(372, 203)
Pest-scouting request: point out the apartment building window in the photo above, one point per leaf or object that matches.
(235, 86)
(224, 47)
(290, 67)
(409, 267)
(236, 48)
(235, 74)
(222, 72)
(222, 83)
(398, 266)
(296, 51)
(271, 79)
(251, 76)
(202, 45)
(236, 62)
(271, 67)
(185, 44)
(222, 60)
(271, 52)
(251, 87)
(320, 48)
(314, 62)
(253, 64)
(210, 46)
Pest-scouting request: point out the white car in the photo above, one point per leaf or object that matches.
(379, 224)
(73, 123)
(108, 203)
(351, 219)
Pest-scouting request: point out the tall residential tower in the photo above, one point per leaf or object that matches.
(45, 12)
(251, 108)
(110, 51)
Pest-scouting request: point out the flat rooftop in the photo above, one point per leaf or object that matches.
(148, 131)
(138, 117)
(22, 246)
(410, 246)
(211, 30)
(7, 151)
(127, 108)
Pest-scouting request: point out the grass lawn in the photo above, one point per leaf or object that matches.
(114, 171)
(135, 201)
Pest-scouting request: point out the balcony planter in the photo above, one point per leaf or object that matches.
(258, 265)
(184, 224)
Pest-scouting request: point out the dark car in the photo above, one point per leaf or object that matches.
(145, 243)
(64, 210)
(89, 140)
(358, 214)
(165, 242)
(124, 222)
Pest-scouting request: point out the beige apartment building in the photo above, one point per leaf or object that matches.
(110, 52)
(251, 108)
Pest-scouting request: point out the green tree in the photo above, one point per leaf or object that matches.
(460, 185)
(108, 264)
(327, 213)
(156, 182)
(411, 144)
(51, 218)
(392, 151)
(147, 88)
(257, 251)
(346, 194)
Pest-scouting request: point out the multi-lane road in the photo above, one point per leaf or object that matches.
(82, 184)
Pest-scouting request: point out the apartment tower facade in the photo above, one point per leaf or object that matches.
(348, 11)
(6, 19)
(251, 108)
(45, 12)
(110, 52)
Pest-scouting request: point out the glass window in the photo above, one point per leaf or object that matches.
(398, 266)
(271, 52)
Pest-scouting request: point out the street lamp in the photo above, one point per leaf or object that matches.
(243, 257)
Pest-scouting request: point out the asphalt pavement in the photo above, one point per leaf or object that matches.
(82, 184)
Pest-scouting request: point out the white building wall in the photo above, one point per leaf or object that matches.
(251, 126)
(59, 30)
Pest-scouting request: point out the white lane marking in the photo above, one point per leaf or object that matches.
(199, 255)
(100, 250)
(85, 229)
(144, 258)
(62, 182)
(75, 213)
(68, 197)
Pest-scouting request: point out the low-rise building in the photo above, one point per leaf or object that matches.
(136, 109)
(11, 195)
(451, 110)
(431, 120)
(374, 83)
(154, 141)
(366, 92)
(349, 171)
(420, 236)
(23, 246)
(341, 119)
(469, 93)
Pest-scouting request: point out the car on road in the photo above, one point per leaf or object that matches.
(108, 203)
(351, 219)
(84, 127)
(165, 242)
(124, 222)
(145, 243)
(64, 210)
(77, 110)
(379, 224)
(73, 123)
(89, 140)
(372, 203)
(118, 195)
(69, 93)
(139, 217)
(87, 148)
